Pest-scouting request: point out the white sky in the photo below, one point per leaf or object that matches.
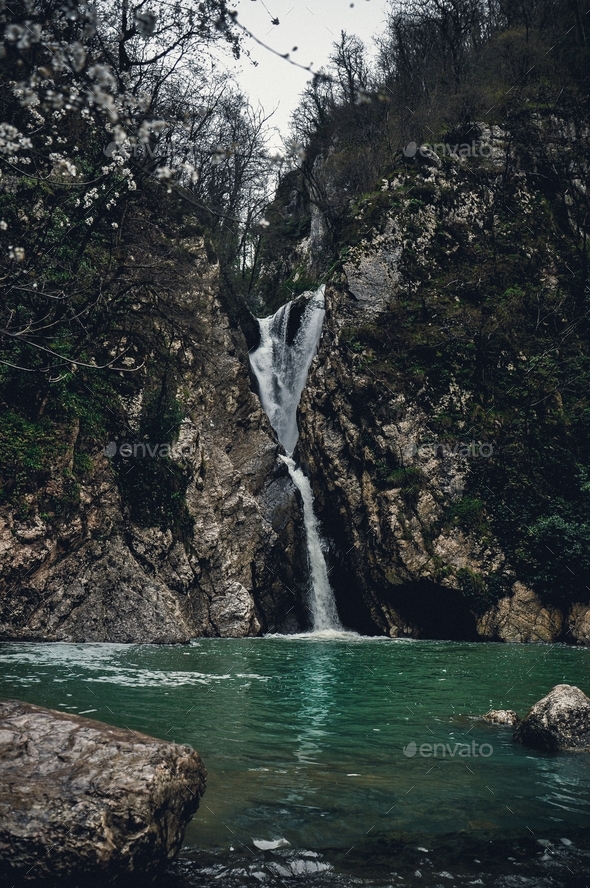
(312, 26)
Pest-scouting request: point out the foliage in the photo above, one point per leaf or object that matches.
(475, 590)
(153, 488)
(559, 557)
(469, 514)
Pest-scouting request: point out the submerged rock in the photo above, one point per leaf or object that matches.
(501, 717)
(80, 799)
(560, 721)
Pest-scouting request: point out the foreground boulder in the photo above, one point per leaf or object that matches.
(80, 799)
(560, 721)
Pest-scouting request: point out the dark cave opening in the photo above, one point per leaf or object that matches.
(437, 612)
(430, 611)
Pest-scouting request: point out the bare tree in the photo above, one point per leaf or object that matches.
(350, 66)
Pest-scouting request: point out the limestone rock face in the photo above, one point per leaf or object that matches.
(558, 722)
(579, 624)
(102, 577)
(372, 277)
(521, 618)
(79, 799)
(393, 559)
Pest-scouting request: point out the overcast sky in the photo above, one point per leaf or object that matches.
(310, 25)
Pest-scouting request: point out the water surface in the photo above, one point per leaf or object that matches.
(304, 740)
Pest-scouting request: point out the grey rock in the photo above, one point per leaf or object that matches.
(80, 799)
(521, 617)
(558, 722)
(501, 717)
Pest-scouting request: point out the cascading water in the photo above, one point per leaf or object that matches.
(281, 368)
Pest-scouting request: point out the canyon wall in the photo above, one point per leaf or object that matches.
(99, 576)
(413, 544)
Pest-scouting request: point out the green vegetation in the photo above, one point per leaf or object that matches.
(468, 513)
(410, 480)
(475, 590)
(154, 487)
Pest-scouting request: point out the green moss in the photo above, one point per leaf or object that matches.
(410, 480)
(469, 514)
(33, 475)
(28, 452)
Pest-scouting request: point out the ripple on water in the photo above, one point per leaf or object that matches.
(303, 738)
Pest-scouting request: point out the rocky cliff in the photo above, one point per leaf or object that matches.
(403, 419)
(100, 574)
(441, 413)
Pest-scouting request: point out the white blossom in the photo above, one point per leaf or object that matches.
(78, 53)
(62, 166)
(89, 197)
(11, 140)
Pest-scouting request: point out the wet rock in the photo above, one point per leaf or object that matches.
(579, 624)
(521, 617)
(560, 721)
(501, 717)
(80, 799)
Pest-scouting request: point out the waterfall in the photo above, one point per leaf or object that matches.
(281, 367)
(323, 606)
(280, 364)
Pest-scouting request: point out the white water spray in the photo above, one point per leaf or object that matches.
(281, 370)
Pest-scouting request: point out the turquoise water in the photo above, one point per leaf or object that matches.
(304, 740)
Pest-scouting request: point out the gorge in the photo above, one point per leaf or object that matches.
(295, 447)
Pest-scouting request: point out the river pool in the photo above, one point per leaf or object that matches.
(343, 760)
